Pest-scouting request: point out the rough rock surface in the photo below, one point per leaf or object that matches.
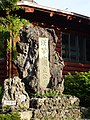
(57, 108)
(28, 59)
(14, 91)
(61, 107)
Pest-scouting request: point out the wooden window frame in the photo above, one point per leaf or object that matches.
(84, 59)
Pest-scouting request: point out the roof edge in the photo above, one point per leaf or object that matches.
(35, 5)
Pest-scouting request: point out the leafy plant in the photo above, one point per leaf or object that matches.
(79, 86)
(69, 118)
(11, 24)
(87, 114)
(45, 117)
(8, 5)
(5, 108)
(10, 116)
(49, 94)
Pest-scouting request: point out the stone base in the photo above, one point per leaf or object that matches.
(60, 108)
(26, 115)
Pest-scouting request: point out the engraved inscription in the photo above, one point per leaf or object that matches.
(44, 62)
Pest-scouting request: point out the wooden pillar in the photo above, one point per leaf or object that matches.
(10, 59)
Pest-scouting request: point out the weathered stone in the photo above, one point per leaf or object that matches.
(40, 67)
(28, 60)
(15, 95)
(58, 111)
(26, 115)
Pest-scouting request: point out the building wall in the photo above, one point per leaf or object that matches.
(3, 70)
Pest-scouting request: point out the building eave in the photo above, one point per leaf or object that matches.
(49, 9)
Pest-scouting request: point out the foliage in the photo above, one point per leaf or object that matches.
(49, 94)
(7, 23)
(87, 113)
(69, 118)
(9, 28)
(8, 5)
(45, 117)
(10, 116)
(14, 53)
(79, 86)
(5, 108)
(10, 24)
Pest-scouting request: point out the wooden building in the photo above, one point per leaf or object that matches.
(72, 29)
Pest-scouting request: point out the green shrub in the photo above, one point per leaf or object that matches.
(10, 116)
(49, 94)
(87, 113)
(79, 86)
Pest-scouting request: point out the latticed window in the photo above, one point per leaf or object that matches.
(75, 48)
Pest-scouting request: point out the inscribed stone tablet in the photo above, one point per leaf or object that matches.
(44, 62)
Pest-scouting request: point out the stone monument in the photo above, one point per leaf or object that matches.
(37, 61)
(40, 68)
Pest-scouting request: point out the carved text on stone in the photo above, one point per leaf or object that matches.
(44, 62)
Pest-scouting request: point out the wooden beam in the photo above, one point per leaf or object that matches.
(28, 9)
(51, 14)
